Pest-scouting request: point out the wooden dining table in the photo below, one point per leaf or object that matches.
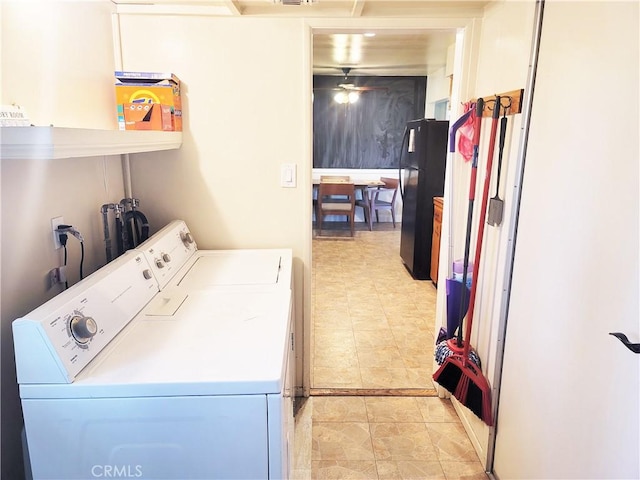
(362, 184)
(357, 182)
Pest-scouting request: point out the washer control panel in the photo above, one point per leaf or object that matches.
(168, 250)
(54, 342)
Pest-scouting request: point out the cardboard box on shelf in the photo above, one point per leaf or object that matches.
(148, 88)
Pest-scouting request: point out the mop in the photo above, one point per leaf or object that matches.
(452, 292)
(456, 305)
(458, 292)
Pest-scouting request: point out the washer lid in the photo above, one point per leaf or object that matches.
(216, 268)
(216, 343)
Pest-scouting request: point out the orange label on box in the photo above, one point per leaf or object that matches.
(147, 116)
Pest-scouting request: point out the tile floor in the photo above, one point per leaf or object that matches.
(385, 438)
(374, 331)
(373, 323)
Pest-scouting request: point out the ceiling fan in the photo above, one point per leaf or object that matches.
(347, 85)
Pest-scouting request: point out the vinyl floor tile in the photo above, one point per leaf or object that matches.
(337, 377)
(339, 409)
(373, 328)
(341, 441)
(402, 441)
(463, 471)
(361, 285)
(451, 442)
(393, 410)
(437, 410)
(410, 470)
(386, 378)
(343, 470)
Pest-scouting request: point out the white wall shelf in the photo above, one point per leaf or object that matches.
(42, 143)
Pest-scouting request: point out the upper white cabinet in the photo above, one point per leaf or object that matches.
(41, 143)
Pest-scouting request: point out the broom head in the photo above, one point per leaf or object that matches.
(464, 380)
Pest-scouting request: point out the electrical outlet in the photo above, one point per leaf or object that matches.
(54, 224)
(57, 275)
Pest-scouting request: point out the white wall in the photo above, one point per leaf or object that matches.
(57, 62)
(570, 401)
(240, 126)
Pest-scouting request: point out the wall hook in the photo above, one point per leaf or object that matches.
(508, 105)
(634, 347)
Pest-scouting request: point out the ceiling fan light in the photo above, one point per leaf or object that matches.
(341, 97)
(353, 97)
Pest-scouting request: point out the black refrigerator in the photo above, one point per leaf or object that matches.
(423, 159)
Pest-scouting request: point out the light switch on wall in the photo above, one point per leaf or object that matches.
(288, 175)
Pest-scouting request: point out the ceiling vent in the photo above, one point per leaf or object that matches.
(295, 2)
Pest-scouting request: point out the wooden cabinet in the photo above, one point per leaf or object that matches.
(435, 241)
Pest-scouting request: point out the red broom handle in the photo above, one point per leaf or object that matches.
(472, 194)
(483, 213)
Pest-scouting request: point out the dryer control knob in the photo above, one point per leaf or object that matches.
(186, 237)
(83, 328)
(159, 263)
(166, 257)
(146, 273)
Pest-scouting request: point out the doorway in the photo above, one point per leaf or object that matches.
(371, 324)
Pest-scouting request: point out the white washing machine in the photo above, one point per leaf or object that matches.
(120, 380)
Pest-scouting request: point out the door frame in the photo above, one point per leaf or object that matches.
(467, 39)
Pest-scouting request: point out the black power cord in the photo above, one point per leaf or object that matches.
(63, 231)
(63, 241)
(81, 258)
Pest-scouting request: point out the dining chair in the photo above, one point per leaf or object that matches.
(336, 199)
(330, 179)
(372, 202)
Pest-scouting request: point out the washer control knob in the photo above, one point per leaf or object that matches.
(83, 328)
(166, 257)
(159, 263)
(146, 273)
(186, 237)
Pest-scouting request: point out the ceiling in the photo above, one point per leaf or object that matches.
(397, 53)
